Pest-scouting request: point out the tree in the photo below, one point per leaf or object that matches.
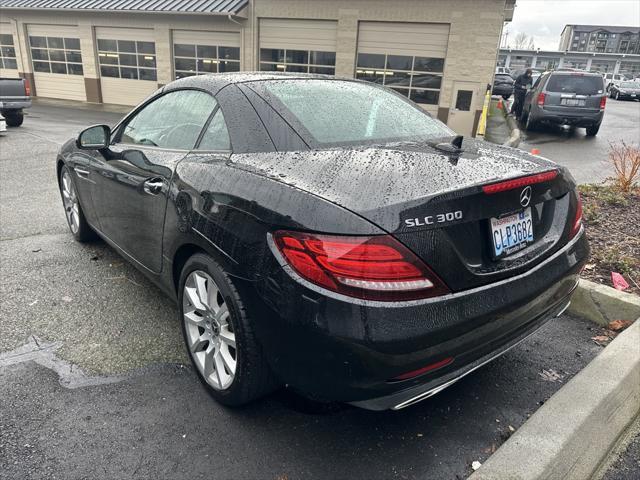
(524, 42)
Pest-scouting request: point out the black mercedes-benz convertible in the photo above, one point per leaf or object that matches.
(327, 234)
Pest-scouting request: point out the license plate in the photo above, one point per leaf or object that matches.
(572, 102)
(511, 233)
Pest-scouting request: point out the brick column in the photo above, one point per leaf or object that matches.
(347, 42)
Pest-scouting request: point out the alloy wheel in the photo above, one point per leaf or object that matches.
(209, 331)
(70, 202)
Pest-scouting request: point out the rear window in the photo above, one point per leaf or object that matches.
(335, 112)
(578, 84)
(504, 78)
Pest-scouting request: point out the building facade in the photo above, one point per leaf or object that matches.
(600, 39)
(627, 65)
(439, 53)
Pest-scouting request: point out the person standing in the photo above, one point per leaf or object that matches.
(522, 83)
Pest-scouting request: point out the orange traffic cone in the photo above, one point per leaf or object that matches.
(535, 151)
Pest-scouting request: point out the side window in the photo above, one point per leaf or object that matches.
(538, 81)
(174, 120)
(216, 137)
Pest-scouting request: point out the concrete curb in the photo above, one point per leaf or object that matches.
(602, 304)
(574, 431)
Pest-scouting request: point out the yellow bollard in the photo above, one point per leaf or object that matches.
(482, 124)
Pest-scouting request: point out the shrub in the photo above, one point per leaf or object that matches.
(626, 164)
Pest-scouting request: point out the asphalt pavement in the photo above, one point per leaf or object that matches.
(94, 381)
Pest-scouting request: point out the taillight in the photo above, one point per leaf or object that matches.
(27, 87)
(541, 97)
(373, 268)
(520, 182)
(577, 219)
(603, 102)
(421, 371)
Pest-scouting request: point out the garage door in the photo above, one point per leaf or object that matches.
(408, 57)
(198, 53)
(298, 45)
(8, 61)
(57, 61)
(127, 59)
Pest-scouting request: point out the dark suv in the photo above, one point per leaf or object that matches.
(566, 98)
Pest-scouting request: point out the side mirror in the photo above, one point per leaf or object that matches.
(94, 138)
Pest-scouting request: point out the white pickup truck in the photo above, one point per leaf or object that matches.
(15, 95)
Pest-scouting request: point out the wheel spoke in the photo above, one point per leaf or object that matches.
(201, 288)
(192, 296)
(228, 360)
(207, 364)
(228, 337)
(197, 343)
(194, 319)
(223, 376)
(222, 314)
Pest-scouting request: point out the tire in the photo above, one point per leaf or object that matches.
(76, 220)
(617, 97)
(219, 335)
(14, 118)
(592, 131)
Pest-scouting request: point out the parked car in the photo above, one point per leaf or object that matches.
(327, 234)
(566, 98)
(503, 85)
(506, 70)
(3, 125)
(15, 95)
(625, 90)
(610, 78)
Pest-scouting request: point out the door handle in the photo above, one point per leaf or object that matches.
(153, 186)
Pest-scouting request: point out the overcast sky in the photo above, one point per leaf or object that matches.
(545, 19)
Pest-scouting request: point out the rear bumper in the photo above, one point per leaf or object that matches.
(339, 349)
(578, 119)
(15, 104)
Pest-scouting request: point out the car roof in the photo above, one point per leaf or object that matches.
(215, 82)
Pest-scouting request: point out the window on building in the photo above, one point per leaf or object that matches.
(547, 63)
(630, 69)
(191, 59)
(578, 63)
(419, 78)
(7, 52)
(128, 59)
(305, 61)
(56, 55)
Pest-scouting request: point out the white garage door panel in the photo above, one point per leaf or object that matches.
(318, 35)
(226, 39)
(121, 91)
(113, 33)
(420, 39)
(53, 85)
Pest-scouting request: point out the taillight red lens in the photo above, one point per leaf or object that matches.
(373, 268)
(520, 182)
(577, 219)
(603, 102)
(541, 97)
(27, 87)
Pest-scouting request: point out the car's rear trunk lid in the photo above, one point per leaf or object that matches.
(434, 203)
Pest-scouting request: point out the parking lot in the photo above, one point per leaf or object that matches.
(95, 381)
(585, 156)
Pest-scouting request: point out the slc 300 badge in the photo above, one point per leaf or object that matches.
(433, 219)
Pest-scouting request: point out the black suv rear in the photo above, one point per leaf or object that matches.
(566, 98)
